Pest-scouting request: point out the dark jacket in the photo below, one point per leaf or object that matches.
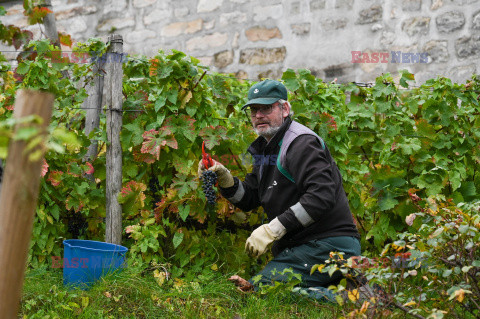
(308, 197)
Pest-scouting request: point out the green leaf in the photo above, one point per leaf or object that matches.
(177, 239)
(290, 79)
(23, 68)
(387, 202)
(172, 95)
(160, 102)
(184, 211)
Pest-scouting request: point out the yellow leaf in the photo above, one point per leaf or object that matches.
(320, 268)
(85, 302)
(107, 294)
(184, 84)
(50, 219)
(353, 295)
(214, 267)
(460, 295)
(160, 276)
(186, 98)
(410, 303)
(364, 306)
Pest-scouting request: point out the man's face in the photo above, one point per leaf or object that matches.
(267, 119)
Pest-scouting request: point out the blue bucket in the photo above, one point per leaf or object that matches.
(85, 261)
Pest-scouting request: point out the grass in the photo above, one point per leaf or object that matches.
(134, 293)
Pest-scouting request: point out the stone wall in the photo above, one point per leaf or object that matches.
(255, 39)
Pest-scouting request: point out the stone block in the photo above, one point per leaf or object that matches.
(67, 14)
(76, 24)
(15, 10)
(436, 4)
(177, 28)
(114, 5)
(295, 8)
(173, 29)
(316, 5)
(223, 59)
(206, 60)
(143, 3)
(241, 75)
(460, 74)
(476, 21)
(370, 15)
(117, 24)
(334, 24)
(208, 41)
(232, 18)
(343, 4)
(301, 28)
(416, 26)
(262, 34)
(268, 12)
(208, 5)
(261, 56)
(194, 26)
(466, 47)
(208, 25)
(270, 74)
(450, 21)
(437, 50)
(411, 5)
(139, 36)
(155, 16)
(388, 37)
(181, 12)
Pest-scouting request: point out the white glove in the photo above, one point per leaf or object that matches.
(263, 236)
(224, 178)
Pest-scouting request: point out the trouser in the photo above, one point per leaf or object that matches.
(302, 258)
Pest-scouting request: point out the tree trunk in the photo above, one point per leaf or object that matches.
(18, 201)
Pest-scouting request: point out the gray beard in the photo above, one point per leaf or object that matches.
(268, 133)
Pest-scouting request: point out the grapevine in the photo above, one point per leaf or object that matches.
(209, 179)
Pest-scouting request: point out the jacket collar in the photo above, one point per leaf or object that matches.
(260, 144)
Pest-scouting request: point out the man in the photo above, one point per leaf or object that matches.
(299, 186)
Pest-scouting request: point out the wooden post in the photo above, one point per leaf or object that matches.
(18, 201)
(93, 106)
(113, 227)
(1, 174)
(51, 31)
(50, 25)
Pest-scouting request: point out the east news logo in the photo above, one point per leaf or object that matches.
(386, 57)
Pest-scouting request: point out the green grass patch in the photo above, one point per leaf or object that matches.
(135, 293)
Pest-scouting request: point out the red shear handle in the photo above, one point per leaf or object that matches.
(206, 159)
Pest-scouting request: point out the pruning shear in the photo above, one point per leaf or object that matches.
(206, 158)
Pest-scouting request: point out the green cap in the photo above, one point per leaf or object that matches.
(266, 92)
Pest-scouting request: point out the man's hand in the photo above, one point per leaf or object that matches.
(224, 178)
(263, 236)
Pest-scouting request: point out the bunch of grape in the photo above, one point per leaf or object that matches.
(76, 224)
(209, 179)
